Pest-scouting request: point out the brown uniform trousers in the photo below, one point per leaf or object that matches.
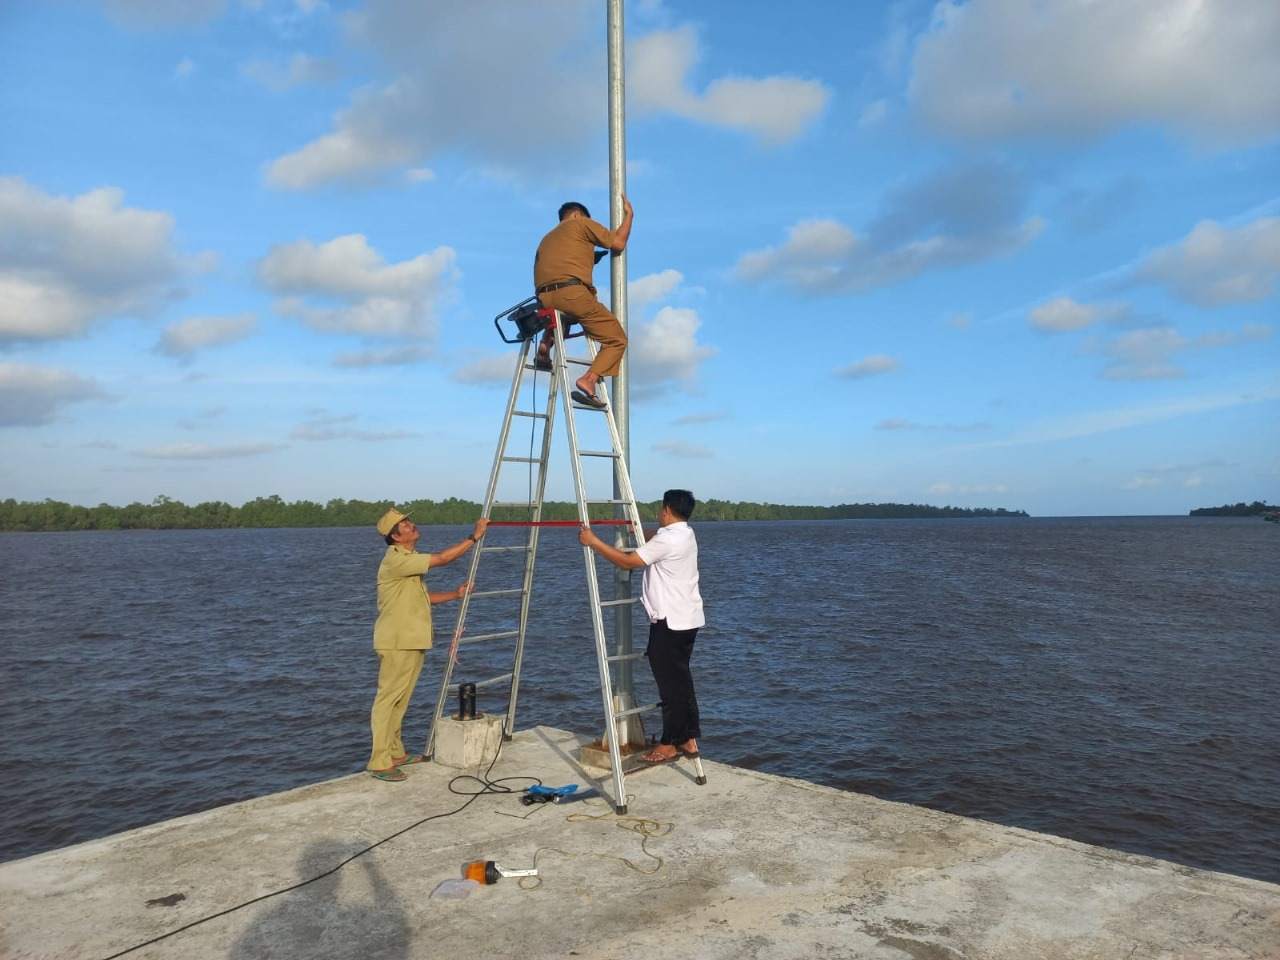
(579, 303)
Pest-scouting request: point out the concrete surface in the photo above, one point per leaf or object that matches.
(751, 866)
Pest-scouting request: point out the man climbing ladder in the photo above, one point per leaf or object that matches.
(562, 270)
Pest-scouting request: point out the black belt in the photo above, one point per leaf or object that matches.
(548, 287)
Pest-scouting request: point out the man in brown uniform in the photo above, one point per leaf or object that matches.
(562, 279)
(402, 633)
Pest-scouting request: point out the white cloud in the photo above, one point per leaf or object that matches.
(774, 109)
(420, 175)
(353, 290)
(1189, 475)
(1063, 314)
(498, 368)
(66, 262)
(666, 349)
(956, 217)
(1215, 265)
(300, 70)
(873, 114)
(1147, 353)
(31, 396)
(163, 13)
(690, 419)
(329, 427)
(488, 79)
(653, 287)
(185, 68)
(196, 333)
(205, 451)
(1071, 68)
(1144, 354)
(683, 450)
(871, 366)
(900, 423)
(1094, 422)
(390, 357)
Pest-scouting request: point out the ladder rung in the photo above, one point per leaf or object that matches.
(511, 503)
(626, 713)
(626, 656)
(592, 503)
(490, 682)
(597, 453)
(586, 406)
(523, 549)
(614, 603)
(528, 413)
(581, 363)
(497, 593)
(521, 460)
(503, 635)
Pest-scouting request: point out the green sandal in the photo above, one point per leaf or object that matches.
(407, 759)
(394, 775)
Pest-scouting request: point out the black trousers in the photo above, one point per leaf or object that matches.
(669, 652)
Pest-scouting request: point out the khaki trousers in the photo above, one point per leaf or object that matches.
(397, 676)
(579, 303)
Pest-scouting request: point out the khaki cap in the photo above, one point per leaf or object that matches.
(388, 521)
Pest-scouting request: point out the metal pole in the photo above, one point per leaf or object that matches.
(618, 302)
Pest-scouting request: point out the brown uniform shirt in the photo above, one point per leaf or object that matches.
(404, 608)
(568, 251)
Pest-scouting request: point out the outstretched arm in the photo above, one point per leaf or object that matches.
(626, 561)
(450, 554)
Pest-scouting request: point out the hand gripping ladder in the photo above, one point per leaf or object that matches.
(561, 384)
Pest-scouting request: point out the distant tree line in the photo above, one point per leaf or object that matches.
(165, 513)
(1234, 510)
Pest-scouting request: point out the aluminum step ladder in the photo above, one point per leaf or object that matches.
(561, 385)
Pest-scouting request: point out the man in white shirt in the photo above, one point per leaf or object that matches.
(671, 598)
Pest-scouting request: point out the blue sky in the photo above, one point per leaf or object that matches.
(983, 253)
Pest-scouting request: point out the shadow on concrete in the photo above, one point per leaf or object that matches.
(319, 922)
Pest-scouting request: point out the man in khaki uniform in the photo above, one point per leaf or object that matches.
(402, 633)
(562, 280)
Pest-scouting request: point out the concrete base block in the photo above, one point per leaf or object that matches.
(467, 743)
(597, 755)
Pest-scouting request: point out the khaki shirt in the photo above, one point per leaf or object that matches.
(568, 251)
(404, 609)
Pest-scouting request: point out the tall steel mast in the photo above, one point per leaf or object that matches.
(618, 303)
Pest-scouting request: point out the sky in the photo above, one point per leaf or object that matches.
(983, 253)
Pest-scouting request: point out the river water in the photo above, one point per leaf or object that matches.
(1110, 680)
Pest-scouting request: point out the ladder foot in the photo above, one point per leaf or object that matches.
(700, 781)
(621, 810)
(506, 738)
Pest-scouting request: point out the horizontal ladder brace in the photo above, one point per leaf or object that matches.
(523, 549)
(597, 453)
(528, 413)
(503, 635)
(497, 593)
(512, 504)
(521, 460)
(626, 656)
(618, 603)
(601, 503)
(488, 683)
(634, 710)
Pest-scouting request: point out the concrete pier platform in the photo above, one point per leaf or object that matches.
(750, 866)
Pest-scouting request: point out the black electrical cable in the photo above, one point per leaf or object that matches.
(486, 786)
